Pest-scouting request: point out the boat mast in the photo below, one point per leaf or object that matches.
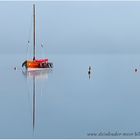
(34, 32)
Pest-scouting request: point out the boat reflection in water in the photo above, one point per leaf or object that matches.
(35, 75)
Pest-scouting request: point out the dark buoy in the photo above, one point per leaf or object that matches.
(15, 68)
(89, 71)
(136, 70)
(89, 68)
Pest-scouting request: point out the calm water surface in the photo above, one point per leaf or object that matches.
(65, 103)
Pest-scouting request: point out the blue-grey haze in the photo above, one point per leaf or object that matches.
(75, 35)
(71, 27)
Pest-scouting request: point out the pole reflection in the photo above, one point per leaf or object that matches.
(35, 75)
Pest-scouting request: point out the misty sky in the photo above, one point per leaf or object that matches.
(71, 27)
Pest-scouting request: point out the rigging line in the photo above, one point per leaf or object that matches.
(27, 51)
(29, 39)
(30, 29)
(39, 34)
(41, 38)
(42, 51)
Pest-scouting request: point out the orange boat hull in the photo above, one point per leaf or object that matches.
(41, 63)
(33, 64)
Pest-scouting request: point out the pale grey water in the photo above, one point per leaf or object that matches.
(68, 103)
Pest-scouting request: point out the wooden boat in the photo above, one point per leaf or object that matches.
(36, 64)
